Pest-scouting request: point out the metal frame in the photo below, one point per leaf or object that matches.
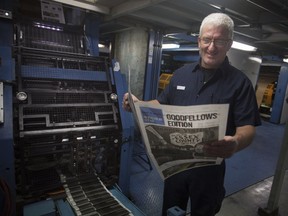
(1, 104)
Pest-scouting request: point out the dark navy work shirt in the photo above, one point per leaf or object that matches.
(227, 85)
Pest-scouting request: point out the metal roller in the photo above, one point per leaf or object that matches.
(91, 197)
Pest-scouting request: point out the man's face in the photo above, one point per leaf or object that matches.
(213, 45)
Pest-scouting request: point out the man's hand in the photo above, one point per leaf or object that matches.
(223, 148)
(231, 144)
(125, 102)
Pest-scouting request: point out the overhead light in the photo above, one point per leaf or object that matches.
(188, 48)
(242, 46)
(215, 6)
(285, 60)
(256, 59)
(101, 45)
(170, 46)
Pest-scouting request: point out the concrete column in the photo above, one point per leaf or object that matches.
(131, 49)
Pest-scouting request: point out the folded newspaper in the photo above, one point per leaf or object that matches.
(174, 136)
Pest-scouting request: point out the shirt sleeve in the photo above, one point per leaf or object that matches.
(246, 110)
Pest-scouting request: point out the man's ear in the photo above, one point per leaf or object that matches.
(229, 45)
(199, 40)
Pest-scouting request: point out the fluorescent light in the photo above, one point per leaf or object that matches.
(170, 46)
(188, 48)
(215, 6)
(256, 59)
(242, 46)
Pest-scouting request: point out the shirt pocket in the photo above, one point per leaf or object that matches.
(182, 96)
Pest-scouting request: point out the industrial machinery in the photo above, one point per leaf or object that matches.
(66, 115)
(267, 100)
(67, 127)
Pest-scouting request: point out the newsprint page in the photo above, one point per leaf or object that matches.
(174, 136)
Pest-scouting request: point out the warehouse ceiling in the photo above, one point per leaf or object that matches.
(261, 23)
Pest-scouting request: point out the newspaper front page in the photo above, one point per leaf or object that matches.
(174, 136)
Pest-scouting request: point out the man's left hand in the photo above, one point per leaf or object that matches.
(223, 148)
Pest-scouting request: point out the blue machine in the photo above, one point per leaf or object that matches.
(45, 207)
(279, 95)
(61, 120)
(7, 78)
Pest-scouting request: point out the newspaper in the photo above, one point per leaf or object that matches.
(174, 136)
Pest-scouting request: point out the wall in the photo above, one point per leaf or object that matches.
(131, 50)
(246, 63)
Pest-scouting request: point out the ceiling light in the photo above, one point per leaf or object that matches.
(170, 46)
(242, 46)
(101, 45)
(256, 59)
(215, 6)
(285, 60)
(188, 48)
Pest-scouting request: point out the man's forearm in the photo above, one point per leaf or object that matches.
(244, 136)
(154, 101)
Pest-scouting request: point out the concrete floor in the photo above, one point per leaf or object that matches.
(247, 201)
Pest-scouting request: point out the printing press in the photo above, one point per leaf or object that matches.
(70, 136)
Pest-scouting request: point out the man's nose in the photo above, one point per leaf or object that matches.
(211, 45)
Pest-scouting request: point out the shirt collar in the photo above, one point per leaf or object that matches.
(223, 67)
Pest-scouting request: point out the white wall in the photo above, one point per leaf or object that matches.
(250, 65)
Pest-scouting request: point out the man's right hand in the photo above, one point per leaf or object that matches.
(125, 102)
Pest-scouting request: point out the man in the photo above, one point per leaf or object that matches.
(212, 80)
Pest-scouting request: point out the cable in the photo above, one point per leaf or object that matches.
(7, 208)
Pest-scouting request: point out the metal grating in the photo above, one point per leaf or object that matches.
(48, 37)
(68, 98)
(65, 86)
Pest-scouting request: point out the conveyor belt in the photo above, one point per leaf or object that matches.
(88, 196)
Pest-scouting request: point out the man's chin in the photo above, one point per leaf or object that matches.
(210, 64)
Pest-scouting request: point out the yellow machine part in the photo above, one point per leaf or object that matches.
(164, 80)
(268, 95)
